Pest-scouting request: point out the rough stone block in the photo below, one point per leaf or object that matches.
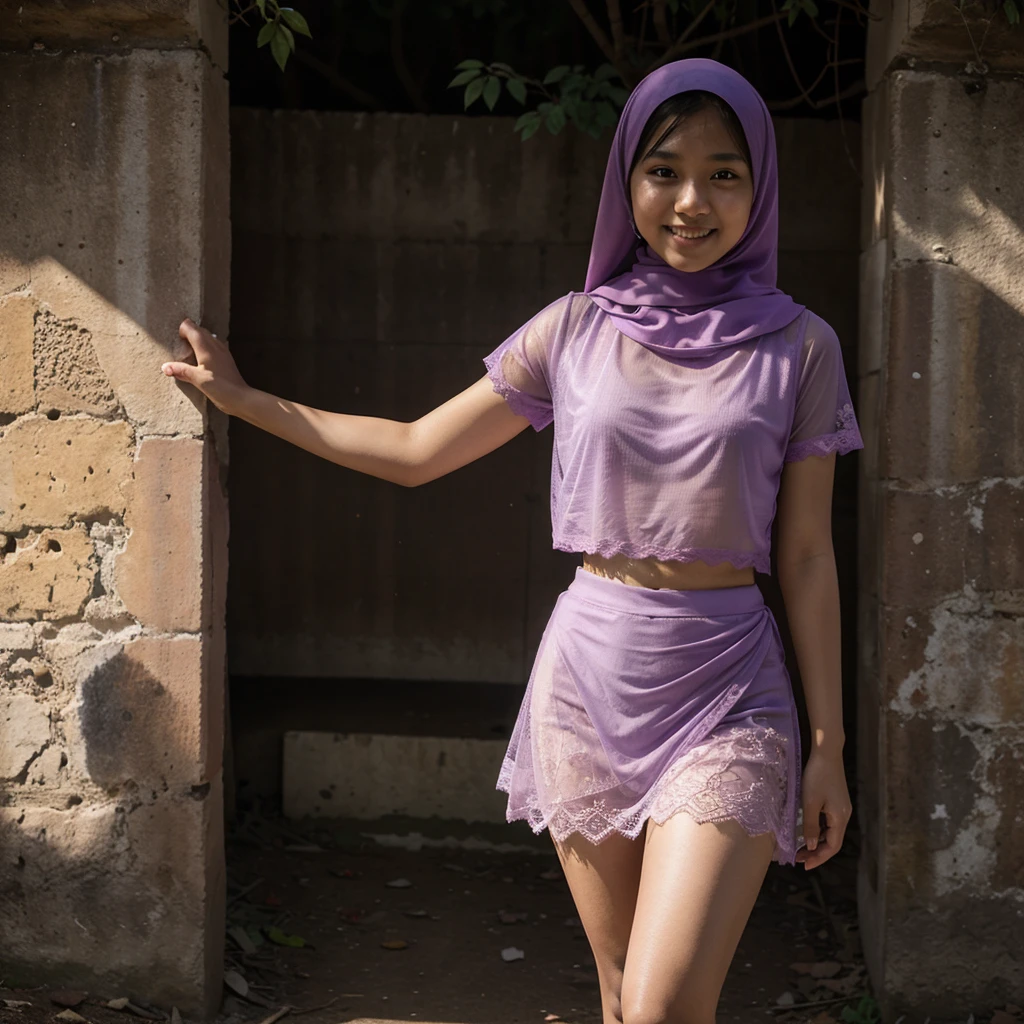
(947, 206)
(128, 167)
(67, 372)
(159, 862)
(108, 24)
(25, 727)
(159, 576)
(144, 714)
(951, 413)
(48, 576)
(941, 543)
(17, 315)
(955, 662)
(54, 470)
(361, 775)
(873, 312)
(937, 32)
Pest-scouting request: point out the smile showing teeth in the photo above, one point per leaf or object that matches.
(690, 232)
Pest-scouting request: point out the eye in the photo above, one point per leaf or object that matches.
(656, 171)
(732, 175)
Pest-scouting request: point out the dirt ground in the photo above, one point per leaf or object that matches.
(416, 924)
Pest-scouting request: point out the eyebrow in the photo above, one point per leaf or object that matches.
(665, 154)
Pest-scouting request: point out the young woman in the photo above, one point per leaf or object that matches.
(691, 400)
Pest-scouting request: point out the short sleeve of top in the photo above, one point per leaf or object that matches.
(521, 368)
(823, 420)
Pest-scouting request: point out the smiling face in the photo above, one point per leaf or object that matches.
(693, 192)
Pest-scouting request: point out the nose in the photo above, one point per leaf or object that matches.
(691, 200)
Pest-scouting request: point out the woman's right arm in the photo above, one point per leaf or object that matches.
(466, 427)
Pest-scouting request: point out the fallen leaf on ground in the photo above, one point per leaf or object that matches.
(175, 1015)
(236, 983)
(786, 999)
(71, 1017)
(820, 969)
(394, 944)
(280, 938)
(16, 1004)
(552, 1016)
(117, 1004)
(415, 913)
(398, 883)
(511, 953)
(242, 940)
(842, 986)
(65, 997)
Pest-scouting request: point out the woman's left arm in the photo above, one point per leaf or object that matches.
(807, 577)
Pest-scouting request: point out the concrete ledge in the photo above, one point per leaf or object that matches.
(366, 775)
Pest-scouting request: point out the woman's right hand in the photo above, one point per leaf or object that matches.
(214, 372)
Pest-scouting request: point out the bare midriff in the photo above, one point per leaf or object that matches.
(649, 572)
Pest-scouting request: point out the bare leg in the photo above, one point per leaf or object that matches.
(697, 889)
(604, 879)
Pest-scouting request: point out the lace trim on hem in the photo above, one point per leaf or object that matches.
(703, 782)
(608, 548)
(522, 404)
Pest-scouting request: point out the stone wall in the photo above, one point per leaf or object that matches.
(941, 715)
(378, 258)
(113, 515)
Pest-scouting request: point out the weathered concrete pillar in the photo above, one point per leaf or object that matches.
(941, 681)
(113, 520)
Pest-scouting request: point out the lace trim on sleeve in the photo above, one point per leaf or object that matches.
(534, 409)
(845, 438)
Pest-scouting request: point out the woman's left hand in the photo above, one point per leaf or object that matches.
(823, 791)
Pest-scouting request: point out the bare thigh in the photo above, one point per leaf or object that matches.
(697, 888)
(604, 879)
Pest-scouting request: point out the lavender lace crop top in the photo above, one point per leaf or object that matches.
(676, 459)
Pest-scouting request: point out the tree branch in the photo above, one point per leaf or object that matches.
(677, 46)
(598, 34)
(851, 90)
(728, 33)
(615, 20)
(660, 13)
(339, 81)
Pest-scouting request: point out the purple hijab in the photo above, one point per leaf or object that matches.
(733, 300)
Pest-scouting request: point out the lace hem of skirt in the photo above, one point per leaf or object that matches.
(738, 773)
(712, 556)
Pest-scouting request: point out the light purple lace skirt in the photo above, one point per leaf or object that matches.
(643, 703)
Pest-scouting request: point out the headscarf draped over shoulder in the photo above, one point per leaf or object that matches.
(733, 300)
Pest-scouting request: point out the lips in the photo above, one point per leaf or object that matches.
(691, 234)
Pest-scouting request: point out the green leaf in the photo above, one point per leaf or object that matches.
(1012, 14)
(811, 8)
(296, 21)
(517, 88)
(503, 67)
(463, 77)
(604, 72)
(492, 90)
(262, 5)
(280, 938)
(555, 119)
(524, 119)
(473, 91)
(793, 14)
(555, 75)
(279, 48)
(289, 38)
(467, 65)
(530, 127)
(266, 33)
